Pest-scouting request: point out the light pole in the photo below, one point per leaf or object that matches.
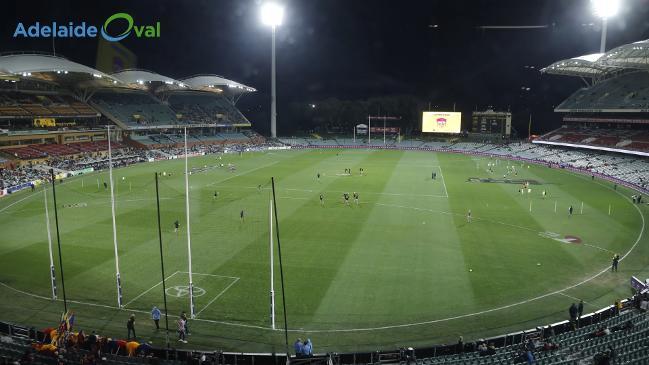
(272, 15)
(605, 9)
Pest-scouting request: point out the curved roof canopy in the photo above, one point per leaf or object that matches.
(584, 66)
(216, 83)
(53, 68)
(633, 55)
(142, 79)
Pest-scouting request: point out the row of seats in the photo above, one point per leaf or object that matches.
(204, 107)
(17, 104)
(575, 347)
(45, 150)
(628, 91)
(174, 139)
(615, 138)
(134, 108)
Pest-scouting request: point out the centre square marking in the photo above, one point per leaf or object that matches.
(181, 291)
(208, 289)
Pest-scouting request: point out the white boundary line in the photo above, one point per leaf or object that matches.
(148, 290)
(16, 202)
(571, 297)
(367, 329)
(443, 180)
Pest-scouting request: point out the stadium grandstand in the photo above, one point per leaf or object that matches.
(51, 107)
(611, 112)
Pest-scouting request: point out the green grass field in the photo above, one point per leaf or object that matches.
(404, 267)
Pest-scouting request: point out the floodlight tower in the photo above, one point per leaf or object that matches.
(605, 9)
(272, 15)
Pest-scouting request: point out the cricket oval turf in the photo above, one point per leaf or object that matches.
(402, 266)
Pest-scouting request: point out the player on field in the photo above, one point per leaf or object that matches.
(616, 260)
(346, 197)
(318, 176)
(356, 198)
(176, 226)
(216, 195)
(468, 216)
(241, 216)
(321, 199)
(544, 194)
(570, 210)
(259, 188)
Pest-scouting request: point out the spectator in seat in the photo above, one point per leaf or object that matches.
(131, 347)
(602, 331)
(549, 346)
(628, 325)
(491, 349)
(482, 349)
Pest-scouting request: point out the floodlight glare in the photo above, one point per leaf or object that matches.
(272, 14)
(605, 8)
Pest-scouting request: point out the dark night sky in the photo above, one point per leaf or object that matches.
(354, 49)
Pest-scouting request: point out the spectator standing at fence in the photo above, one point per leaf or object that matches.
(573, 311)
(580, 308)
(298, 346)
(183, 315)
(155, 316)
(130, 326)
(308, 347)
(181, 330)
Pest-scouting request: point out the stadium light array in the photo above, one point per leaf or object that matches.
(605, 8)
(272, 14)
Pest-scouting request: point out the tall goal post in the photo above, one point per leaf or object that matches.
(49, 246)
(118, 279)
(272, 265)
(192, 308)
(383, 118)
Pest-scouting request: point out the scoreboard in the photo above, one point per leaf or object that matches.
(492, 122)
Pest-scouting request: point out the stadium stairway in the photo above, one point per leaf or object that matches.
(108, 115)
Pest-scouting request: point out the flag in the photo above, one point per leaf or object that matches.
(67, 322)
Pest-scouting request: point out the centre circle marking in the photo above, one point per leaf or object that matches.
(181, 291)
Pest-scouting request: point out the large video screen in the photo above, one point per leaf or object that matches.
(441, 122)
